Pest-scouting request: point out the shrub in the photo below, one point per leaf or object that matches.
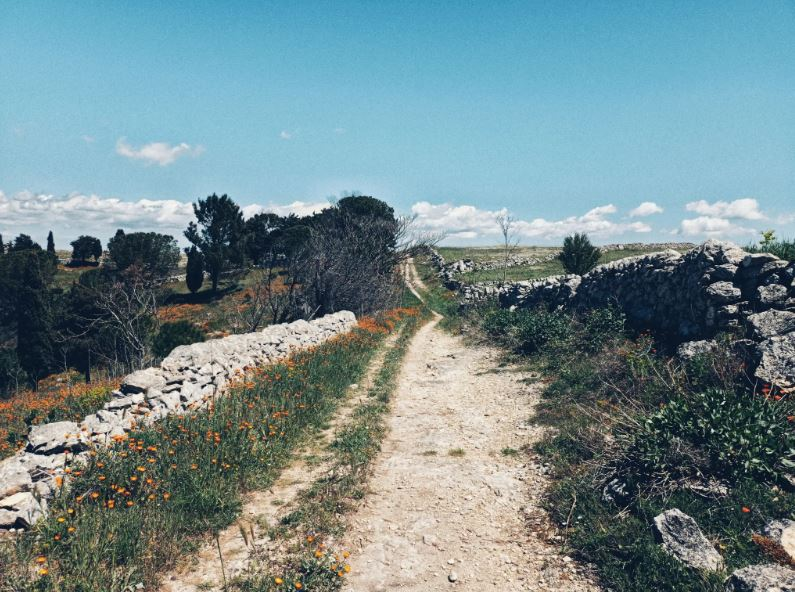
(720, 433)
(194, 270)
(578, 256)
(498, 322)
(601, 325)
(174, 334)
(538, 329)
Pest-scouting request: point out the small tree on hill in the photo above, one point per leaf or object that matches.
(218, 234)
(85, 248)
(194, 271)
(153, 253)
(578, 256)
(22, 243)
(2, 246)
(50, 244)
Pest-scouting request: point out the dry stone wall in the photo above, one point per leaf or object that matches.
(714, 287)
(186, 381)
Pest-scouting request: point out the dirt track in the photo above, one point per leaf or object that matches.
(446, 503)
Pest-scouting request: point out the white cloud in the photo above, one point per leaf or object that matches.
(285, 135)
(161, 153)
(746, 209)
(469, 222)
(712, 226)
(339, 130)
(88, 139)
(647, 208)
(71, 215)
(299, 208)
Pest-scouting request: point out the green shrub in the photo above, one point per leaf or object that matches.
(578, 255)
(498, 322)
(539, 329)
(602, 325)
(721, 433)
(175, 334)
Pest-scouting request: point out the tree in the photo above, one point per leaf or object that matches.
(2, 246)
(261, 231)
(50, 243)
(505, 222)
(85, 248)
(578, 255)
(23, 243)
(218, 234)
(174, 334)
(155, 254)
(194, 270)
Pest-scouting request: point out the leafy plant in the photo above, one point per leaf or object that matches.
(174, 334)
(578, 255)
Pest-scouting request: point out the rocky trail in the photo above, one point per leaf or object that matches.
(453, 502)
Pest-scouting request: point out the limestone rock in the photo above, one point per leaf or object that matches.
(55, 437)
(777, 360)
(724, 292)
(682, 538)
(772, 294)
(690, 349)
(14, 477)
(762, 578)
(20, 510)
(771, 322)
(783, 532)
(141, 381)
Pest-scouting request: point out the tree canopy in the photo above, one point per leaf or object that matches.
(85, 248)
(156, 255)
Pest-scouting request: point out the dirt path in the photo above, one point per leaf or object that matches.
(447, 507)
(241, 541)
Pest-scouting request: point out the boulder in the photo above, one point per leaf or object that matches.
(143, 380)
(777, 361)
(771, 322)
(14, 477)
(59, 436)
(682, 538)
(783, 532)
(20, 510)
(724, 292)
(762, 578)
(125, 402)
(772, 294)
(690, 349)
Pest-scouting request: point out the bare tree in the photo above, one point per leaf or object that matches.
(509, 242)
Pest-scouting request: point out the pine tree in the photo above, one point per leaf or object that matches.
(2, 245)
(194, 271)
(578, 256)
(50, 243)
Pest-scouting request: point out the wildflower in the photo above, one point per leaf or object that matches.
(166, 496)
(746, 509)
(298, 585)
(71, 529)
(94, 495)
(43, 571)
(61, 519)
(111, 504)
(41, 559)
(278, 581)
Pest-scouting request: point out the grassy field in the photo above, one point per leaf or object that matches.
(524, 272)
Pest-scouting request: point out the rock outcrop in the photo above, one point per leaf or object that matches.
(715, 287)
(185, 381)
(762, 578)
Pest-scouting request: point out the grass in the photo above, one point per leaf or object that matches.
(456, 452)
(309, 531)
(130, 511)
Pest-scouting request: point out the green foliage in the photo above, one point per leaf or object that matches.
(781, 248)
(194, 270)
(153, 254)
(23, 243)
(85, 248)
(578, 255)
(218, 234)
(50, 243)
(498, 321)
(601, 325)
(175, 334)
(724, 434)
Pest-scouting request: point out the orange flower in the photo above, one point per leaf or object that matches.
(746, 509)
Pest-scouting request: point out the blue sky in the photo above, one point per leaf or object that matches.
(570, 115)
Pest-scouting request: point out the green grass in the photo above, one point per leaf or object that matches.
(112, 528)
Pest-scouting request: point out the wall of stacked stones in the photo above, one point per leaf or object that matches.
(712, 288)
(186, 381)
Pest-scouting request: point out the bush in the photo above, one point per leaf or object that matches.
(498, 322)
(538, 329)
(175, 334)
(578, 256)
(601, 325)
(720, 433)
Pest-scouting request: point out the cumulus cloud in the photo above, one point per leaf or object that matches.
(745, 209)
(161, 153)
(713, 227)
(470, 222)
(647, 208)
